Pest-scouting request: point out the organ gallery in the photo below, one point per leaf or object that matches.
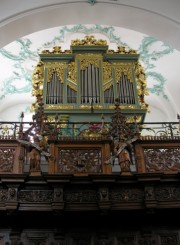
(86, 170)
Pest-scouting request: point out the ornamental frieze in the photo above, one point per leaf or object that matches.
(35, 196)
(166, 193)
(36, 241)
(126, 194)
(81, 238)
(81, 196)
(98, 237)
(126, 240)
(8, 194)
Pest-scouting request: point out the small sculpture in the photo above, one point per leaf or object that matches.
(36, 149)
(123, 154)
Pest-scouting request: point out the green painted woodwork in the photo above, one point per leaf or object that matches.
(86, 111)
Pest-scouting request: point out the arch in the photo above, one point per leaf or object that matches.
(136, 18)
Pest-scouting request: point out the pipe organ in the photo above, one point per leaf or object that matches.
(82, 181)
(88, 78)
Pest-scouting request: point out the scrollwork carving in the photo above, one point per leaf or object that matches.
(107, 75)
(86, 62)
(81, 196)
(37, 241)
(35, 196)
(169, 239)
(162, 159)
(79, 161)
(123, 68)
(88, 40)
(58, 69)
(3, 195)
(126, 240)
(164, 193)
(6, 159)
(72, 75)
(127, 194)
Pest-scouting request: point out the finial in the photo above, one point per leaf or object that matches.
(22, 116)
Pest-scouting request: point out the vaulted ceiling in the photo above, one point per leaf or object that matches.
(150, 27)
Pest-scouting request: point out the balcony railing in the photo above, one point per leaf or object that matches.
(73, 130)
(157, 150)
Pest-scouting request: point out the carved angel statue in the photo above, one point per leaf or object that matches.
(36, 149)
(123, 151)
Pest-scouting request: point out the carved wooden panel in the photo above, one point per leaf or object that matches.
(126, 240)
(79, 161)
(10, 157)
(162, 159)
(158, 157)
(92, 237)
(7, 156)
(80, 157)
(37, 241)
(127, 194)
(169, 239)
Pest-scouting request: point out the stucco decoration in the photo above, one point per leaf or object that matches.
(19, 57)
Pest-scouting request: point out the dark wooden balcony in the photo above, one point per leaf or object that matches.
(81, 184)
